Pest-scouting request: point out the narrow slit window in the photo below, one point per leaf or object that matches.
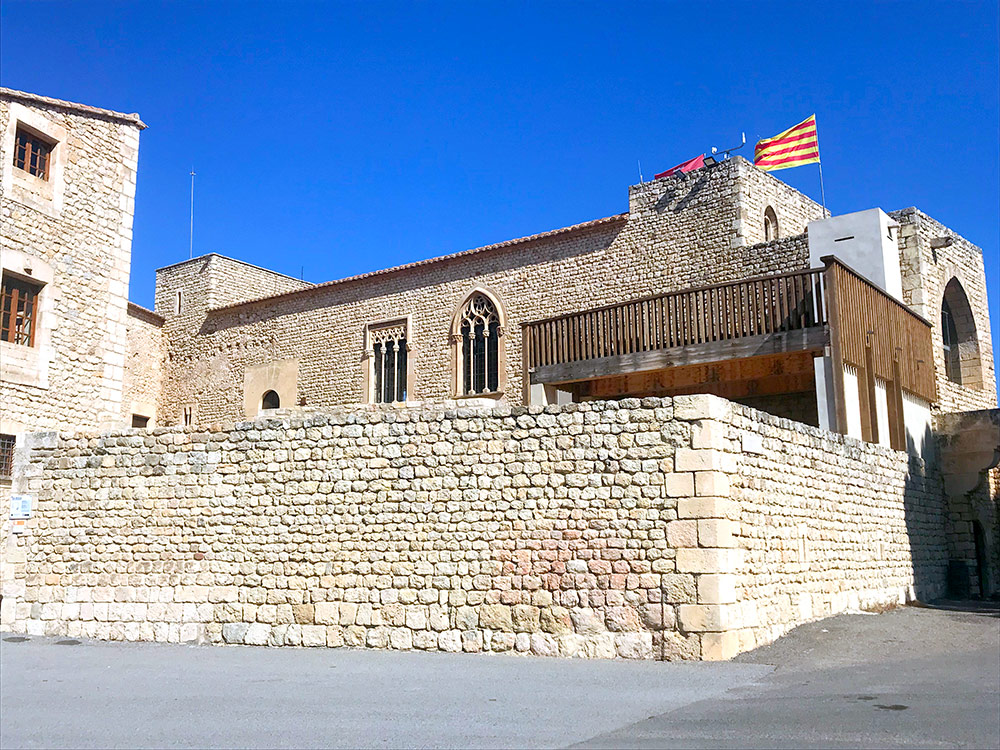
(18, 311)
(32, 154)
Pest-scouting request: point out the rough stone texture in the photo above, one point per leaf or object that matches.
(927, 265)
(144, 364)
(543, 530)
(679, 232)
(85, 239)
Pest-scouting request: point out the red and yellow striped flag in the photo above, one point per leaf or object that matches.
(796, 146)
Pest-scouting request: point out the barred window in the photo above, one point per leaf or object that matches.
(480, 332)
(6, 455)
(32, 154)
(389, 352)
(18, 310)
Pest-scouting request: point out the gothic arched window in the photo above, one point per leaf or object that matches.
(477, 336)
(959, 339)
(770, 224)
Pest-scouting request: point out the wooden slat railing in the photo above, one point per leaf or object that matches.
(752, 307)
(867, 316)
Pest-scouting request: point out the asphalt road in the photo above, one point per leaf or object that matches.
(907, 678)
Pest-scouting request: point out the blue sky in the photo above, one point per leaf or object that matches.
(335, 138)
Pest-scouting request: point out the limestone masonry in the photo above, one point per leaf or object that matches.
(673, 432)
(665, 529)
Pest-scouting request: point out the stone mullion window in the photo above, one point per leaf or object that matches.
(480, 366)
(387, 349)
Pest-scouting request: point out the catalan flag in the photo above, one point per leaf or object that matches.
(796, 146)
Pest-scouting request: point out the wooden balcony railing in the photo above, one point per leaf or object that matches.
(720, 312)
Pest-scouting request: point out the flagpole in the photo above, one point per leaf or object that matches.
(822, 190)
(819, 157)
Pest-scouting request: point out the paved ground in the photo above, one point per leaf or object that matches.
(907, 678)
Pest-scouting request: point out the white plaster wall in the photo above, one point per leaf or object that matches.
(864, 240)
(882, 411)
(852, 402)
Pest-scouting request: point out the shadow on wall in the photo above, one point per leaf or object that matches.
(925, 511)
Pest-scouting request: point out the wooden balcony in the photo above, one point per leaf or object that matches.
(783, 320)
(754, 317)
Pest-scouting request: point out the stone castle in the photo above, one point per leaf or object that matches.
(673, 432)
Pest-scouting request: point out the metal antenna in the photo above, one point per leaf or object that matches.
(640, 170)
(191, 233)
(728, 152)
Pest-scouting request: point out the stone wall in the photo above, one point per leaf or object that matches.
(145, 364)
(667, 528)
(680, 231)
(73, 234)
(931, 255)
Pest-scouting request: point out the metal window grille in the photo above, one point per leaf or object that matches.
(6, 455)
(18, 311)
(32, 154)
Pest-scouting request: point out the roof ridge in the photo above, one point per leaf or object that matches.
(428, 261)
(132, 117)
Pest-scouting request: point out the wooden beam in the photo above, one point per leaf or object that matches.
(809, 339)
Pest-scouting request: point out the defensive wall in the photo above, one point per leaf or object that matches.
(679, 528)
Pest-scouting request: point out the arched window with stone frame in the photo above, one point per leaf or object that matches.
(478, 340)
(770, 224)
(388, 372)
(959, 339)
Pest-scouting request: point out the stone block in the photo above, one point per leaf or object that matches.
(718, 532)
(496, 617)
(621, 619)
(719, 646)
(526, 618)
(678, 588)
(717, 589)
(690, 459)
(708, 433)
(697, 406)
(313, 635)
(679, 484)
(711, 484)
(682, 533)
(257, 634)
(708, 560)
(303, 614)
(234, 632)
(326, 613)
(707, 507)
(697, 618)
(556, 620)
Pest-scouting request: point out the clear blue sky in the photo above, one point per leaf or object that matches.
(340, 138)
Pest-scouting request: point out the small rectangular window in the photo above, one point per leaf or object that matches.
(18, 310)
(6, 455)
(32, 154)
(140, 421)
(180, 300)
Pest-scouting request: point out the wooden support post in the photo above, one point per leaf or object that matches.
(870, 393)
(835, 318)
